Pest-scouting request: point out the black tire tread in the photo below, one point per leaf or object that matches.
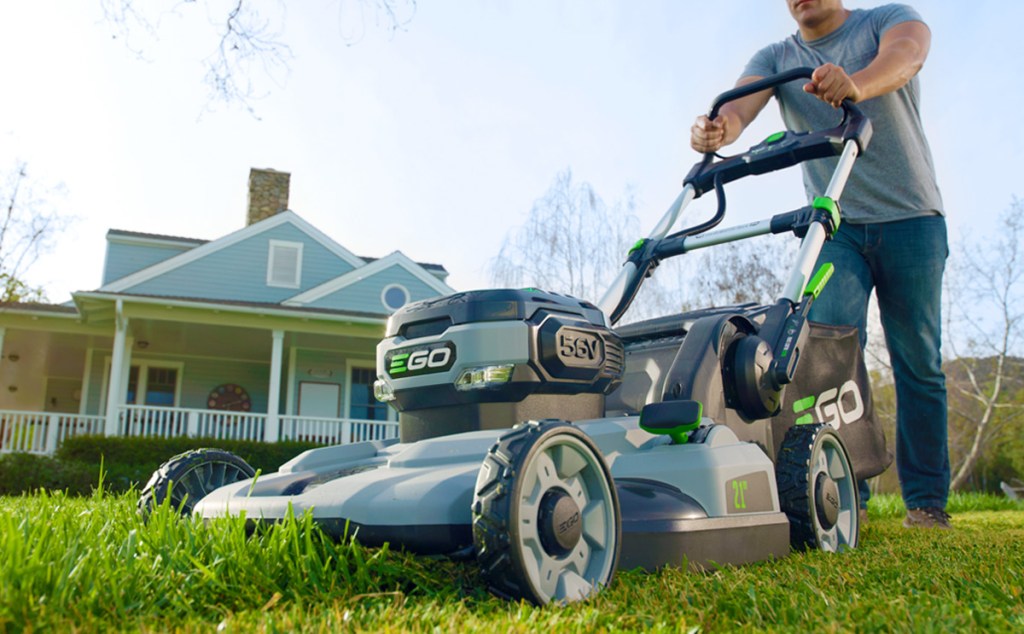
(792, 473)
(492, 508)
(161, 483)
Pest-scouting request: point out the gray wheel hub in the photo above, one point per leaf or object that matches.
(559, 522)
(826, 494)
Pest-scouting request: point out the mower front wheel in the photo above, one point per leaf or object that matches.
(191, 476)
(546, 524)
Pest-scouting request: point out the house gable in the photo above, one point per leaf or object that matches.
(129, 252)
(235, 267)
(370, 288)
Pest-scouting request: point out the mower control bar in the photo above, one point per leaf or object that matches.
(778, 151)
(783, 149)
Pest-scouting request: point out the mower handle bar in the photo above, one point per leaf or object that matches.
(625, 285)
(774, 81)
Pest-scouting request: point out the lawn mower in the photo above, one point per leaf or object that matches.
(555, 449)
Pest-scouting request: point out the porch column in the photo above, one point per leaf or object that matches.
(271, 432)
(118, 371)
(3, 334)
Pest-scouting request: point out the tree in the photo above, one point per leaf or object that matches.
(571, 242)
(27, 229)
(245, 35)
(753, 270)
(985, 291)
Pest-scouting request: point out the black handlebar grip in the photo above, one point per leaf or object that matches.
(804, 72)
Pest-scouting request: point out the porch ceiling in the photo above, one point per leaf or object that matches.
(62, 354)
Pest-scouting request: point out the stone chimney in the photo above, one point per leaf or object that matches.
(268, 194)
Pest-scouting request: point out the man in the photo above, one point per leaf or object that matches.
(893, 236)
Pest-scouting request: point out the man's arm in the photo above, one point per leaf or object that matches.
(901, 54)
(708, 136)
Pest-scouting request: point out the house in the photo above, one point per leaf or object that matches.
(266, 333)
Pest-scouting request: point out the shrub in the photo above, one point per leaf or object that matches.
(126, 462)
(23, 473)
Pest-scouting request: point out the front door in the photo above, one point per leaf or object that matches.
(319, 400)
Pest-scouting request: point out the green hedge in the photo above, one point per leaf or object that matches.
(24, 473)
(126, 462)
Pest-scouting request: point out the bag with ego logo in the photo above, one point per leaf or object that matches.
(832, 386)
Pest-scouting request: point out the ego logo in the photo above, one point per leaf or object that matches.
(420, 360)
(567, 525)
(833, 406)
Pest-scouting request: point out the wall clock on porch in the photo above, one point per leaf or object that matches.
(229, 397)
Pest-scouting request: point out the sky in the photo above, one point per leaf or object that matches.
(436, 139)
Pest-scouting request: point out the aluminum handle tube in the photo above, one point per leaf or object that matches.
(730, 234)
(810, 248)
(617, 290)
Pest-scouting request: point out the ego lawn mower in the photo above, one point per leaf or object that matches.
(555, 449)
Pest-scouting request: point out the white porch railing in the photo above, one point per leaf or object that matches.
(336, 431)
(40, 432)
(43, 432)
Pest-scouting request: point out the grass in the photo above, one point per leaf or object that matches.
(90, 564)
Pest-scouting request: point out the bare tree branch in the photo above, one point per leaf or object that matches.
(985, 294)
(28, 228)
(570, 243)
(246, 47)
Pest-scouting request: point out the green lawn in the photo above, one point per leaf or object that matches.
(88, 564)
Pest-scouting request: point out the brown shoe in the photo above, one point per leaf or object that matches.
(930, 517)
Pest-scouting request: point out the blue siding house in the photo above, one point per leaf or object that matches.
(266, 333)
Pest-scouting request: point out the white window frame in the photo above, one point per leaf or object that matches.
(384, 293)
(363, 364)
(140, 390)
(272, 251)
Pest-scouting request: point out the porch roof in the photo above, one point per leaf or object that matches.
(102, 307)
(95, 312)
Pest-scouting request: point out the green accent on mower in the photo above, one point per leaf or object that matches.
(820, 279)
(673, 418)
(831, 206)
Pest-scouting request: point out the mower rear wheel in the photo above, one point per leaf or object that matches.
(818, 489)
(546, 525)
(191, 476)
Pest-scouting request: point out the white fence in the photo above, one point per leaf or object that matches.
(335, 431)
(39, 432)
(42, 432)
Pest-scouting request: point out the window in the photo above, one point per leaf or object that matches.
(394, 297)
(160, 386)
(284, 264)
(362, 404)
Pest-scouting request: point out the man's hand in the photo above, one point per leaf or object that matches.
(831, 84)
(707, 135)
(733, 117)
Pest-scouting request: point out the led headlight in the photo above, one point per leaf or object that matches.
(383, 391)
(485, 377)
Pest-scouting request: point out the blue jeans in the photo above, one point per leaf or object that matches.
(903, 263)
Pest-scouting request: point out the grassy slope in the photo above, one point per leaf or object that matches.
(91, 564)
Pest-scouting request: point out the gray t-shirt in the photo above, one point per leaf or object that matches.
(895, 178)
